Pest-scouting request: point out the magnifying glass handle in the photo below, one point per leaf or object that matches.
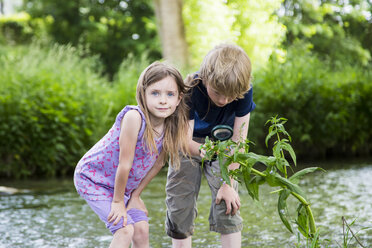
(214, 158)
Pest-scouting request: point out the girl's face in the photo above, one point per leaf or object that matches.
(162, 98)
(217, 98)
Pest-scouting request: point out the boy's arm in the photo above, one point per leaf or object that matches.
(135, 200)
(226, 192)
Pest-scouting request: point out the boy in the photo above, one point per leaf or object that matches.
(221, 94)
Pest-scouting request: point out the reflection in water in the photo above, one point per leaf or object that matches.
(51, 214)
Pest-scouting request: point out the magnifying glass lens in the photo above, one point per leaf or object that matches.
(222, 134)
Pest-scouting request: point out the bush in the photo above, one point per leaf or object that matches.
(52, 106)
(125, 82)
(20, 28)
(329, 109)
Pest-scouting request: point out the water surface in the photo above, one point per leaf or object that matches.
(49, 213)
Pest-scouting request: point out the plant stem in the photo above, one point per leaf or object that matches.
(300, 198)
(281, 152)
(259, 173)
(352, 233)
(253, 170)
(308, 210)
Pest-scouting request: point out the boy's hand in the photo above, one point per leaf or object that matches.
(231, 198)
(137, 203)
(117, 212)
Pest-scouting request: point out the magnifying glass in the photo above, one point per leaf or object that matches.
(222, 132)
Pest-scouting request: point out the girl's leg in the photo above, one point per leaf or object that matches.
(122, 237)
(141, 235)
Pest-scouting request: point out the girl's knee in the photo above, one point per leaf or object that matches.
(122, 237)
(126, 232)
(141, 232)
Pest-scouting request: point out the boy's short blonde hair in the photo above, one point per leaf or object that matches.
(227, 69)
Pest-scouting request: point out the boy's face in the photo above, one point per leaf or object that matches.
(218, 98)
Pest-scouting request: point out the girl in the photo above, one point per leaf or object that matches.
(113, 173)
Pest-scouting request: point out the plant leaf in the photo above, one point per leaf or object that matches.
(293, 187)
(282, 208)
(295, 178)
(224, 168)
(288, 147)
(303, 220)
(270, 134)
(250, 183)
(271, 178)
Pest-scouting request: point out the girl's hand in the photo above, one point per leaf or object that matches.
(201, 152)
(117, 212)
(137, 203)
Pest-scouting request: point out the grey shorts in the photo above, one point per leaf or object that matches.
(182, 192)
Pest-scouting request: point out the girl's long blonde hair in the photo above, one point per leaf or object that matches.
(176, 125)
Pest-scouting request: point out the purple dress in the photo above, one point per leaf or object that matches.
(95, 173)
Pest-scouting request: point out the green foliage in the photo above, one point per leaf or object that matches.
(203, 29)
(257, 29)
(21, 28)
(250, 24)
(125, 82)
(275, 174)
(112, 29)
(349, 235)
(339, 30)
(52, 107)
(330, 108)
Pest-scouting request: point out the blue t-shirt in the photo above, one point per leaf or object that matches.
(206, 114)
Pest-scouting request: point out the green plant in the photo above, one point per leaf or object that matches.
(275, 174)
(53, 105)
(347, 239)
(329, 107)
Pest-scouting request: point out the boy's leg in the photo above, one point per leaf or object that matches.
(182, 243)
(233, 240)
(182, 192)
(229, 226)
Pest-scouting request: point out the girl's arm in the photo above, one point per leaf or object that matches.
(226, 192)
(193, 145)
(135, 200)
(130, 126)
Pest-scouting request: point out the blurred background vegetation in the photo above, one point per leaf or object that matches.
(68, 67)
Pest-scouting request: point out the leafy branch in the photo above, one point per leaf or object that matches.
(275, 174)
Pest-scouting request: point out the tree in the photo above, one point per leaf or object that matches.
(112, 29)
(2, 7)
(249, 23)
(335, 29)
(171, 31)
